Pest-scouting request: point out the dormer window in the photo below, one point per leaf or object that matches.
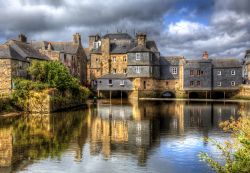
(174, 70)
(138, 56)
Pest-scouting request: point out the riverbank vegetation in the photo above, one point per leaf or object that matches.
(236, 151)
(47, 75)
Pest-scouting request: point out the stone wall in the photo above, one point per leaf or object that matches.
(10, 69)
(5, 76)
(120, 63)
(51, 100)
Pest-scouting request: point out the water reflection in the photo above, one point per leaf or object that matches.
(154, 135)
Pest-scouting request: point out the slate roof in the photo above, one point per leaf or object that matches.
(118, 36)
(120, 48)
(171, 60)
(25, 50)
(226, 63)
(113, 76)
(140, 48)
(66, 47)
(6, 52)
(152, 46)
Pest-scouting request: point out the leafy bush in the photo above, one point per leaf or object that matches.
(53, 73)
(44, 75)
(235, 152)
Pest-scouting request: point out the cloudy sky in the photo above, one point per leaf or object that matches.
(180, 27)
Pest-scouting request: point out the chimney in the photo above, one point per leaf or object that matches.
(77, 39)
(205, 55)
(22, 38)
(141, 39)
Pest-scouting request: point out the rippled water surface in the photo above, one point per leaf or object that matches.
(119, 137)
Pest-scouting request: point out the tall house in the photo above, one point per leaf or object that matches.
(71, 54)
(108, 54)
(143, 60)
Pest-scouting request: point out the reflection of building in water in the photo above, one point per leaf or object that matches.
(6, 147)
(114, 130)
(40, 136)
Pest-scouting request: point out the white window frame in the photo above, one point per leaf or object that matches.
(138, 56)
(174, 70)
(233, 72)
(137, 69)
(219, 84)
(111, 82)
(232, 83)
(219, 72)
(114, 58)
(122, 83)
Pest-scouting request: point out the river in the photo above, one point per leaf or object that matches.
(119, 137)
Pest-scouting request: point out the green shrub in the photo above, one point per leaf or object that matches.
(236, 151)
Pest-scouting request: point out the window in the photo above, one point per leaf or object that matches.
(232, 72)
(125, 71)
(167, 83)
(124, 58)
(97, 59)
(191, 83)
(65, 58)
(114, 59)
(137, 69)
(151, 70)
(233, 83)
(114, 70)
(198, 83)
(138, 56)
(96, 45)
(219, 84)
(219, 73)
(144, 85)
(122, 82)
(174, 70)
(110, 82)
(198, 72)
(191, 72)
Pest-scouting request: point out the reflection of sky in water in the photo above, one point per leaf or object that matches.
(148, 137)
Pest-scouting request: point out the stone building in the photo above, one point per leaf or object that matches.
(15, 58)
(209, 76)
(71, 54)
(136, 59)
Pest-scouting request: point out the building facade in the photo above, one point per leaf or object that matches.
(71, 54)
(209, 76)
(15, 57)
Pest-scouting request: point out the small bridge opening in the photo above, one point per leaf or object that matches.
(168, 94)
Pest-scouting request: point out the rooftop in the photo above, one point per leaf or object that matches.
(113, 76)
